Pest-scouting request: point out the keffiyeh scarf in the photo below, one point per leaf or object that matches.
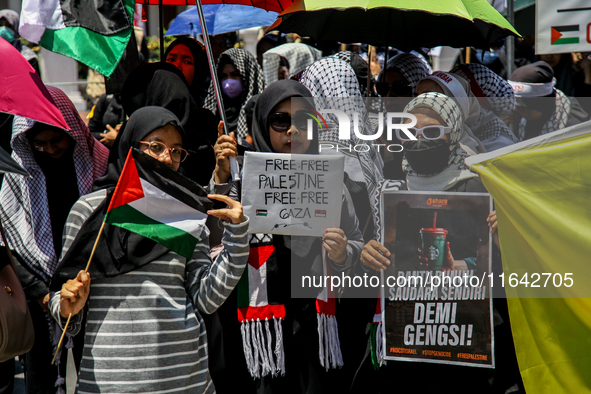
(556, 122)
(298, 55)
(500, 101)
(456, 171)
(23, 201)
(334, 85)
(253, 83)
(412, 68)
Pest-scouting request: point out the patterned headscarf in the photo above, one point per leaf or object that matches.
(498, 91)
(458, 89)
(252, 81)
(456, 170)
(23, 201)
(333, 84)
(498, 99)
(298, 55)
(412, 68)
(360, 67)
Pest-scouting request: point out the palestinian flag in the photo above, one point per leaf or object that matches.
(94, 32)
(557, 33)
(158, 204)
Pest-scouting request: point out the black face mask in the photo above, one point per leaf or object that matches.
(427, 157)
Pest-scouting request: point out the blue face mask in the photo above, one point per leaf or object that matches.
(7, 33)
(232, 87)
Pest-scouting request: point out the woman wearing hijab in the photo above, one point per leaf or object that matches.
(163, 85)
(496, 99)
(333, 84)
(541, 108)
(190, 57)
(9, 22)
(435, 162)
(145, 332)
(401, 76)
(297, 55)
(457, 88)
(63, 165)
(240, 77)
(276, 128)
(398, 82)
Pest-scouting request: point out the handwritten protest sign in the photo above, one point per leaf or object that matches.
(292, 194)
(437, 304)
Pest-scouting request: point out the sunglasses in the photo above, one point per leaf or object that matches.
(399, 88)
(428, 132)
(281, 121)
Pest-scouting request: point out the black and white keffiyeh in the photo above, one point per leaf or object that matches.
(456, 171)
(498, 99)
(298, 55)
(253, 82)
(557, 121)
(334, 85)
(499, 92)
(23, 201)
(412, 68)
(385, 186)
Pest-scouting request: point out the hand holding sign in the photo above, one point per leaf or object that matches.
(335, 243)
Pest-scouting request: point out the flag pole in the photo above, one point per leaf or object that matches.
(59, 345)
(216, 84)
(161, 22)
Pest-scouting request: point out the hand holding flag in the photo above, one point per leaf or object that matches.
(232, 215)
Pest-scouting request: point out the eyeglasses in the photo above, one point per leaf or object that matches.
(399, 88)
(281, 121)
(157, 149)
(428, 132)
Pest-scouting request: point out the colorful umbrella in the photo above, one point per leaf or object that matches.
(269, 5)
(21, 91)
(221, 18)
(400, 23)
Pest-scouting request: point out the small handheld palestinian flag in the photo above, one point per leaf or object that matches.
(146, 202)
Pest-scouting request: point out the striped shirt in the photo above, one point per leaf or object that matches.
(144, 330)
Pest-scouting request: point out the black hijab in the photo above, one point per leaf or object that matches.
(61, 182)
(160, 84)
(119, 251)
(269, 99)
(163, 85)
(140, 124)
(202, 75)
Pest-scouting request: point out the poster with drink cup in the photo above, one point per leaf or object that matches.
(436, 299)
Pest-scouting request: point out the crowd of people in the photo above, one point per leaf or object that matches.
(173, 324)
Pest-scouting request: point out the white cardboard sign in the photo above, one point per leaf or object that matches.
(292, 194)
